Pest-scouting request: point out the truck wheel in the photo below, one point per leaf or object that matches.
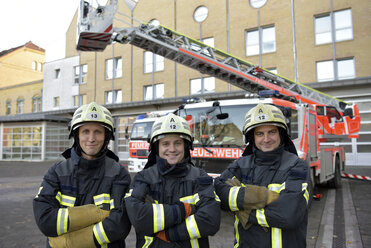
(336, 181)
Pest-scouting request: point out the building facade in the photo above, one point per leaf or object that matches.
(322, 43)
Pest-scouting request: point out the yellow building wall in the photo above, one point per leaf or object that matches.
(24, 91)
(16, 66)
(242, 17)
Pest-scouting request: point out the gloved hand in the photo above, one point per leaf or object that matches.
(255, 196)
(86, 215)
(243, 216)
(162, 235)
(189, 209)
(149, 199)
(258, 197)
(83, 238)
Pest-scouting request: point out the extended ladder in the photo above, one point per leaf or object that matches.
(208, 60)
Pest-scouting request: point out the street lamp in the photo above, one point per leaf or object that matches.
(257, 4)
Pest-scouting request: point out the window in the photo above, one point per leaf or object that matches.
(34, 65)
(39, 66)
(153, 62)
(57, 73)
(20, 105)
(268, 41)
(202, 85)
(36, 104)
(80, 74)
(79, 100)
(113, 68)
(8, 107)
(117, 96)
(326, 71)
(156, 93)
(56, 102)
(342, 24)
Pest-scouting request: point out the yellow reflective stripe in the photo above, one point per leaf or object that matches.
(128, 194)
(112, 204)
(102, 198)
(158, 217)
(100, 234)
(194, 243)
(260, 216)
(304, 188)
(216, 197)
(65, 200)
(277, 187)
(148, 241)
(232, 198)
(62, 220)
(192, 228)
(191, 199)
(276, 237)
(237, 234)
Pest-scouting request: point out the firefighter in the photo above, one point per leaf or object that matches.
(80, 202)
(171, 202)
(267, 187)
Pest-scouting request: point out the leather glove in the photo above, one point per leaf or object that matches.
(233, 182)
(162, 235)
(258, 197)
(255, 196)
(83, 238)
(86, 215)
(243, 216)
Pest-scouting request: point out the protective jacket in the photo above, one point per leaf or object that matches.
(169, 186)
(76, 182)
(282, 223)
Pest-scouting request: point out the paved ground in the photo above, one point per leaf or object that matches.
(19, 182)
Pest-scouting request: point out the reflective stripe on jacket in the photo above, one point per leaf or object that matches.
(166, 192)
(69, 184)
(283, 223)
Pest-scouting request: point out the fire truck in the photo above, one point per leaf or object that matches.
(138, 143)
(316, 120)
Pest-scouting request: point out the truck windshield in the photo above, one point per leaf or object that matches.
(141, 130)
(211, 128)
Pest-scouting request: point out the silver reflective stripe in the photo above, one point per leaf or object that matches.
(148, 241)
(102, 198)
(192, 228)
(194, 243)
(192, 199)
(62, 220)
(233, 193)
(65, 200)
(260, 216)
(276, 237)
(158, 217)
(99, 234)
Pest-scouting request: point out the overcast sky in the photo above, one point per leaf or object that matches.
(44, 22)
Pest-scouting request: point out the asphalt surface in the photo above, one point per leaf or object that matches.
(19, 183)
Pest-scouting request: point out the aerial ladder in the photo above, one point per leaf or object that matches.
(96, 31)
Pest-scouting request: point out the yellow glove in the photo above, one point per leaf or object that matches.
(86, 215)
(83, 238)
(243, 216)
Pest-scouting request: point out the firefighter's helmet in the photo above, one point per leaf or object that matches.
(170, 124)
(91, 112)
(264, 114)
